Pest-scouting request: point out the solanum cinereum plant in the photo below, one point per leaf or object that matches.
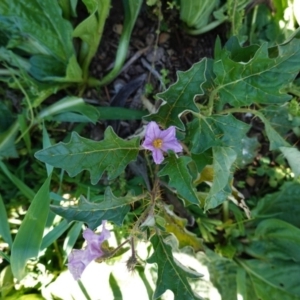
(196, 168)
(157, 141)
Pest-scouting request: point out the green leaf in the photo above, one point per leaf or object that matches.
(223, 159)
(6, 117)
(13, 60)
(111, 154)
(261, 78)
(171, 274)
(278, 116)
(115, 287)
(275, 239)
(131, 11)
(69, 8)
(41, 21)
(6, 282)
(244, 285)
(22, 187)
(120, 113)
(177, 226)
(203, 159)
(226, 131)
(71, 239)
(71, 104)
(26, 297)
(276, 141)
(73, 72)
(293, 157)
(5, 256)
(47, 143)
(45, 67)
(111, 208)
(274, 279)
(283, 205)
(32, 226)
(7, 141)
(54, 234)
(4, 226)
(197, 14)
(90, 30)
(250, 147)
(222, 273)
(37, 29)
(237, 53)
(145, 280)
(25, 130)
(180, 177)
(180, 96)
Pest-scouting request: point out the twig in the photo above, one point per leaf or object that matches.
(136, 56)
(153, 71)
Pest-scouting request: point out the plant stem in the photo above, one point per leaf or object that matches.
(253, 22)
(225, 206)
(206, 28)
(211, 100)
(242, 110)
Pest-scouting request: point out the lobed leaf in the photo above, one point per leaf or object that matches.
(223, 159)
(180, 96)
(276, 141)
(180, 177)
(111, 208)
(112, 154)
(177, 226)
(171, 275)
(207, 132)
(261, 78)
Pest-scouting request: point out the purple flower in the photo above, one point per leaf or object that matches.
(79, 259)
(159, 141)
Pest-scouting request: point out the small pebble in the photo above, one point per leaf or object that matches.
(118, 28)
(163, 37)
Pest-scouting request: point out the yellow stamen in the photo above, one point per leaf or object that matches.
(157, 143)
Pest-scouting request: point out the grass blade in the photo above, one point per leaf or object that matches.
(29, 237)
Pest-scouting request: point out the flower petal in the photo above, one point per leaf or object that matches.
(78, 261)
(105, 233)
(158, 156)
(152, 131)
(173, 145)
(168, 134)
(148, 144)
(94, 240)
